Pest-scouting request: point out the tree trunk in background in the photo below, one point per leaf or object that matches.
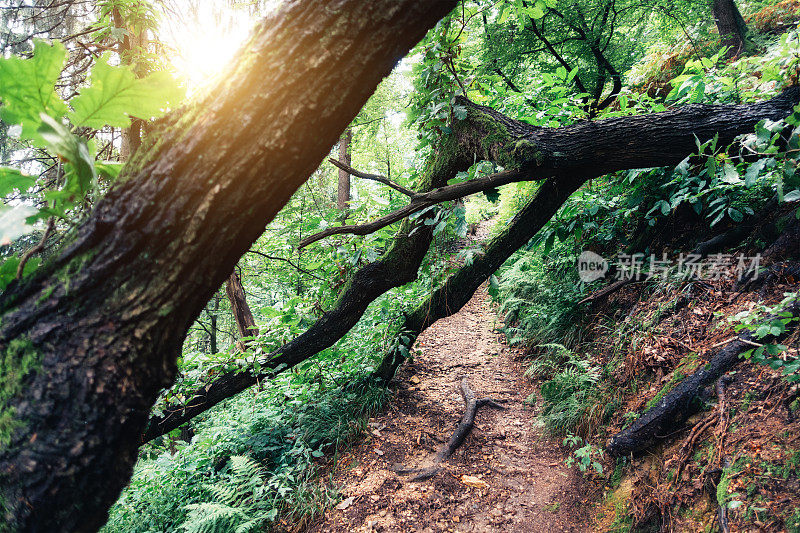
(131, 42)
(213, 335)
(343, 192)
(245, 322)
(731, 26)
(88, 342)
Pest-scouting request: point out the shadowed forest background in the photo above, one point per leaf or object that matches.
(227, 223)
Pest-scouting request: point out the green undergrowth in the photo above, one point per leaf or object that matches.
(250, 462)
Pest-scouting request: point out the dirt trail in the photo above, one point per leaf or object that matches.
(529, 488)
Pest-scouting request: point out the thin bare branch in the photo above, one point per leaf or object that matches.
(422, 201)
(373, 177)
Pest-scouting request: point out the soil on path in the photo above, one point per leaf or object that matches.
(528, 487)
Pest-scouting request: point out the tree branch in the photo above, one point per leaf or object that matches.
(373, 177)
(588, 148)
(420, 202)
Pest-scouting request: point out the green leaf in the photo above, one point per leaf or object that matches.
(494, 286)
(81, 176)
(13, 179)
(27, 87)
(109, 169)
(730, 175)
(535, 12)
(115, 95)
(735, 214)
(792, 196)
(753, 171)
(13, 222)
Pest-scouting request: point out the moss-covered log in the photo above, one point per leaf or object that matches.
(88, 343)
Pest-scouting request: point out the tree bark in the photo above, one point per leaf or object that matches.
(343, 191)
(245, 323)
(731, 26)
(89, 341)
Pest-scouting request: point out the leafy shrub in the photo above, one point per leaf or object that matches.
(569, 397)
(539, 298)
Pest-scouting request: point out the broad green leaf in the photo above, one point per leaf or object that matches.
(12, 178)
(730, 175)
(115, 95)
(13, 222)
(81, 175)
(27, 87)
(108, 169)
(753, 171)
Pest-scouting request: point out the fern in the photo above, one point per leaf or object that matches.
(240, 502)
(569, 398)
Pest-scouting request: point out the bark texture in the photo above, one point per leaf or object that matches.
(731, 26)
(88, 343)
(245, 323)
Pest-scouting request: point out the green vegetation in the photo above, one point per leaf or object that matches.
(19, 360)
(71, 120)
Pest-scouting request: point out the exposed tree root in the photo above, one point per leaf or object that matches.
(457, 438)
(673, 409)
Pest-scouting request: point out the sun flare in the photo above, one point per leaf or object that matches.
(205, 37)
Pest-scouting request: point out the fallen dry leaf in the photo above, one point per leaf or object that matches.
(472, 481)
(344, 504)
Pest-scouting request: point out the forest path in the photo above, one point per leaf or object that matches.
(528, 487)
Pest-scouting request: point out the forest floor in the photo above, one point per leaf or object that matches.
(518, 480)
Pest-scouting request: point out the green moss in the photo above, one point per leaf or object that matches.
(74, 267)
(19, 360)
(46, 294)
(686, 367)
(722, 488)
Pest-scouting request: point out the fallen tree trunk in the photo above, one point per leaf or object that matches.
(588, 148)
(488, 135)
(471, 406)
(674, 408)
(459, 287)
